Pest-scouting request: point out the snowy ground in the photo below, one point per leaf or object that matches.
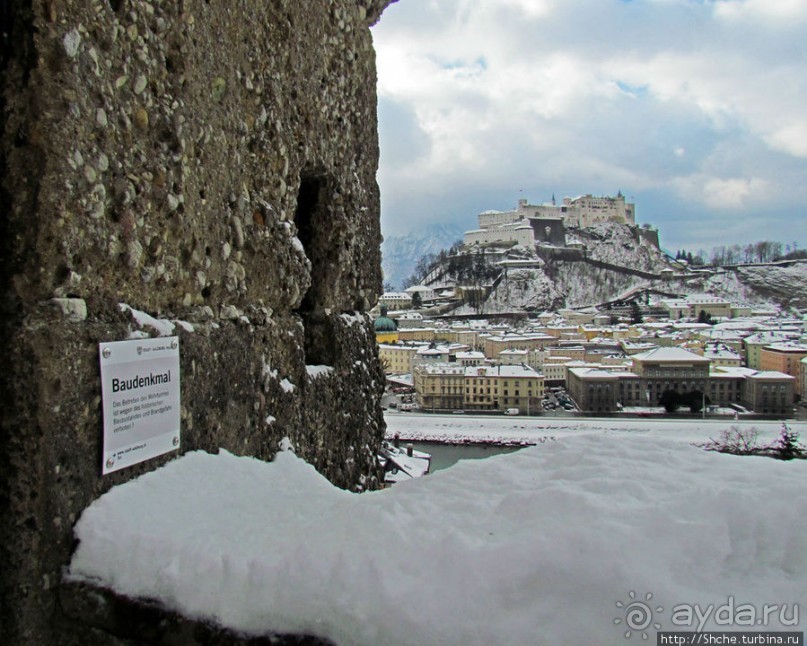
(557, 544)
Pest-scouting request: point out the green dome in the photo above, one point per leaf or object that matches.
(383, 323)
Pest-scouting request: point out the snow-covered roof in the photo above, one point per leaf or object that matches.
(738, 324)
(670, 355)
(766, 337)
(683, 325)
(470, 355)
(772, 375)
(399, 346)
(501, 371)
(706, 299)
(437, 350)
(733, 372)
(787, 346)
(720, 352)
(406, 466)
(594, 373)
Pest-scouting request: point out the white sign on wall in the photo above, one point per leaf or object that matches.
(140, 395)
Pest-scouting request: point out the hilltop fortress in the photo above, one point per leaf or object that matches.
(546, 223)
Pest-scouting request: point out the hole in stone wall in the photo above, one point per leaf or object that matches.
(315, 232)
(61, 274)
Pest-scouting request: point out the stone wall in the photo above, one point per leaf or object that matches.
(204, 161)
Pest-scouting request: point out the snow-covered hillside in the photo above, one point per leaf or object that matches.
(614, 262)
(616, 244)
(525, 290)
(763, 284)
(583, 285)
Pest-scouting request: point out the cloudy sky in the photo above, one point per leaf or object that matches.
(695, 108)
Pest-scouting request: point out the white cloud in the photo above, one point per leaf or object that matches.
(767, 98)
(531, 8)
(790, 138)
(673, 100)
(751, 10)
(723, 194)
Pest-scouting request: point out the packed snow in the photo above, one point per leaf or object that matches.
(548, 545)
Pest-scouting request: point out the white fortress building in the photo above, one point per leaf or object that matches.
(531, 223)
(580, 211)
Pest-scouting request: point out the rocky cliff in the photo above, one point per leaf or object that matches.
(604, 263)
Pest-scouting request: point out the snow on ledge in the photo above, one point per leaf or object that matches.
(534, 547)
(314, 372)
(163, 327)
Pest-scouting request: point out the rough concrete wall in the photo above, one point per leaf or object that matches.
(211, 161)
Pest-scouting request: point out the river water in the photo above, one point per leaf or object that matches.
(446, 455)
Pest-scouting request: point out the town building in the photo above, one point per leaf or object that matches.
(504, 387)
(416, 334)
(603, 389)
(450, 386)
(753, 344)
(721, 354)
(696, 306)
(784, 357)
(555, 370)
(492, 346)
(395, 300)
(513, 357)
(675, 369)
(770, 392)
(803, 378)
(409, 319)
(471, 358)
(726, 385)
(396, 358)
(434, 353)
(597, 390)
(440, 387)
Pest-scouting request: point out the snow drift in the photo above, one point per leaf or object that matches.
(535, 547)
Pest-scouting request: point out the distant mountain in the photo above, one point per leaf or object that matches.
(399, 254)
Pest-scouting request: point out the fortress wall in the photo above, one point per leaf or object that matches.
(207, 161)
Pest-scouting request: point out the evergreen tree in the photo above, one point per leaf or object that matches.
(787, 446)
(635, 313)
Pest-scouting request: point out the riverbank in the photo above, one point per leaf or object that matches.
(527, 431)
